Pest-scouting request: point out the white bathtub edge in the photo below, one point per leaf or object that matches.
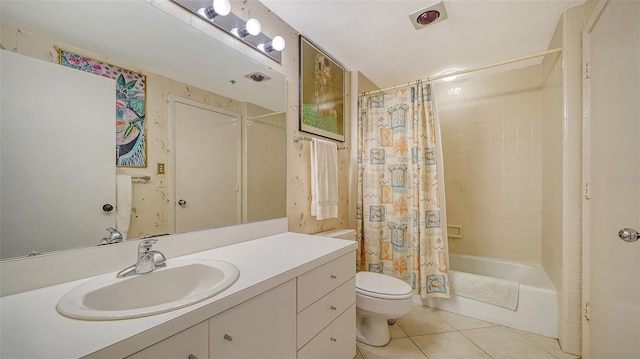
(525, 318)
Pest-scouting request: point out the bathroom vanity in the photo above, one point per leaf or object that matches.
(295, 297)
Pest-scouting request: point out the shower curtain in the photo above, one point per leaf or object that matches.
(401, 214)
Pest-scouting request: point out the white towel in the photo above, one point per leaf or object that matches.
(496, 291)
(324, 179)
(123, 204)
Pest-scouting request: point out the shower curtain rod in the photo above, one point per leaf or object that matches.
(456, 73)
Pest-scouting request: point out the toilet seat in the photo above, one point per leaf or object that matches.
(382, 286)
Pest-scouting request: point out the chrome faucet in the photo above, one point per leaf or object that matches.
(148, 260)
(114, 236)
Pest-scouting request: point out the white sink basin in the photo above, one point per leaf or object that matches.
(181, 283)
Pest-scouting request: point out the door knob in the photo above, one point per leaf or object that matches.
(628, 234)
(182, 202)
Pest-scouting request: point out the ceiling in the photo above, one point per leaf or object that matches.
(377, 38)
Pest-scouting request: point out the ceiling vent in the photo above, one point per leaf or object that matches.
(428, 16)
(257, 76)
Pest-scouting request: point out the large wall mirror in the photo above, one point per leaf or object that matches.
(190, 76)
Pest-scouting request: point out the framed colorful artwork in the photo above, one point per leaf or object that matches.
(322, 92)
(131, 149)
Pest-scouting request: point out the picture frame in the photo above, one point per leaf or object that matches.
(322, 92)
(131, 93)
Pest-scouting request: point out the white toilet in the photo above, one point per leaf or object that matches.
(379, 297)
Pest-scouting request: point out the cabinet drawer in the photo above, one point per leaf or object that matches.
(318, 315)
(316, 283)
(262, 327)
(338, 340)
(193, 341)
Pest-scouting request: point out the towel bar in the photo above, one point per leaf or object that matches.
(305, 138)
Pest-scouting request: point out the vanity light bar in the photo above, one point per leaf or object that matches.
(238, 28)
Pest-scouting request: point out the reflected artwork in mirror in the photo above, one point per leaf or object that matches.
(181, 63)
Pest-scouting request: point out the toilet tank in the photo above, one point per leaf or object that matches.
(339, 233)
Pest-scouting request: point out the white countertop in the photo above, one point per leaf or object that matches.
(30, 326)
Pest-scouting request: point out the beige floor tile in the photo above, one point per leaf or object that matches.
(502, 343)
(396, 331)
(551, 345)
(423, 320)
(397, 348)
(461, 322)
(452, 345)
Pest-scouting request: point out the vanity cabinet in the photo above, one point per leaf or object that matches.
(311, 316)
(326, 320)
(262, 327)
(192, 343)
(295, 298)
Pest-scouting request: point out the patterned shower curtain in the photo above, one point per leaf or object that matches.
(401, 212)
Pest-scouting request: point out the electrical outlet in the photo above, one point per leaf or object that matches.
(160, 168)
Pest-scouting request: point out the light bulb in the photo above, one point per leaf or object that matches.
(253, 27)
(278, 43)
(222, 7)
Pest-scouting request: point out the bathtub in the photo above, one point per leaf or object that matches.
(537, 310)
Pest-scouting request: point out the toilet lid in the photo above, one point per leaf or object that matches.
(382, 286)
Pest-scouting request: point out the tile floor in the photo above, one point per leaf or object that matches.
(428, 333)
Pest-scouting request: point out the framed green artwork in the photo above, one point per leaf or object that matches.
(322, 92)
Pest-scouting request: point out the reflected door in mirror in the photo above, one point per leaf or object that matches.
(58, 141)
(207, 166)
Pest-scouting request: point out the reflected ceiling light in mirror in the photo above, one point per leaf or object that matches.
(252, 27)
(232, 24)
(277, 44)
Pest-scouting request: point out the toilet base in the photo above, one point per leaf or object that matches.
(372, 331)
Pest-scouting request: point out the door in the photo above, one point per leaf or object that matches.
(57, 164)
(206, 166)
(612, 270)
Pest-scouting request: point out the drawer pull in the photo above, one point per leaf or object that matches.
(191, 356)
(334, 339)
(333, 276)
(228, 337)
(333, 308)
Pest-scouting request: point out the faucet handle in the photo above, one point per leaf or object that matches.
(146, 245)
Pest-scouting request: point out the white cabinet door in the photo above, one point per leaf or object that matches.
(263, 327)
(188, 344)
